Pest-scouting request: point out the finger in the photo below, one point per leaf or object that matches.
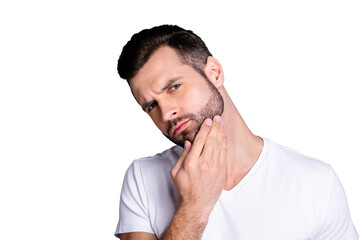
(179, 163)
(223, 153)
(200, 138)
(217, 147)
(213, 138)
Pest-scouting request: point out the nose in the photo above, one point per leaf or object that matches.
(169, 110)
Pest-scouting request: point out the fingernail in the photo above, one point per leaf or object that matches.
(208, 122)
(217, 118)
(187, 145)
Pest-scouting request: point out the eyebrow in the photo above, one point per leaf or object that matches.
(168, 83)
(166, 86)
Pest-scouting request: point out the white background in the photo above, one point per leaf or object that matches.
(70, 127)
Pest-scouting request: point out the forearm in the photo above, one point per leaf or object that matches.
(187, 224)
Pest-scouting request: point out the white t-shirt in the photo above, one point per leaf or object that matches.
(284, 196)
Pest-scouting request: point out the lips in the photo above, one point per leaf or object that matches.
(180, 127)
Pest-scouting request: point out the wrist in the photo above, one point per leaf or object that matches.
(187, 224)
(193, 214)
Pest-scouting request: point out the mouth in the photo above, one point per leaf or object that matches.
(180, 127)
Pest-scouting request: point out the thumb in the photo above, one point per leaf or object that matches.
(178, 164)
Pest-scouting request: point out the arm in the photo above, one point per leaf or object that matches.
(199, 177)
(136, 236)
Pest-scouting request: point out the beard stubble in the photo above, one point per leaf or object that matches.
(214, 106)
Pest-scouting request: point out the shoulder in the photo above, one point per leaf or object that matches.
(295, 170)
(148, 197)
(294, 162)
(314, 187)
(153, 168)
(166, 158)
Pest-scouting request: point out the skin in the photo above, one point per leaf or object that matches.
(222, 153)
(165, 106)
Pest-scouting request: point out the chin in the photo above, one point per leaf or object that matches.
(190, 137)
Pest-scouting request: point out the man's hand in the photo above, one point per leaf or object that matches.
(199, 178)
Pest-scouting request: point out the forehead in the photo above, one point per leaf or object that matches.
(162, 65)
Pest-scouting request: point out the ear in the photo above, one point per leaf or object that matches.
(214, 72)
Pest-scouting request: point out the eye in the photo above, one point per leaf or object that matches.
(151, 106)
(174, 87)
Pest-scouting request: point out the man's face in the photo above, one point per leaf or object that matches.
(176, 97)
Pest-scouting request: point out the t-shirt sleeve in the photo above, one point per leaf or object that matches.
(133, 211)
(337, 224)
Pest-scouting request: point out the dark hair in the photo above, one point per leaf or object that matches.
(190, 49)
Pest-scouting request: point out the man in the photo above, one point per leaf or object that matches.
(220, 181)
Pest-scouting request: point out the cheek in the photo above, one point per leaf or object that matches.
(159, 123)
(195, 99)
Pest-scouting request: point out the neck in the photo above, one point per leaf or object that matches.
(243, 146)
